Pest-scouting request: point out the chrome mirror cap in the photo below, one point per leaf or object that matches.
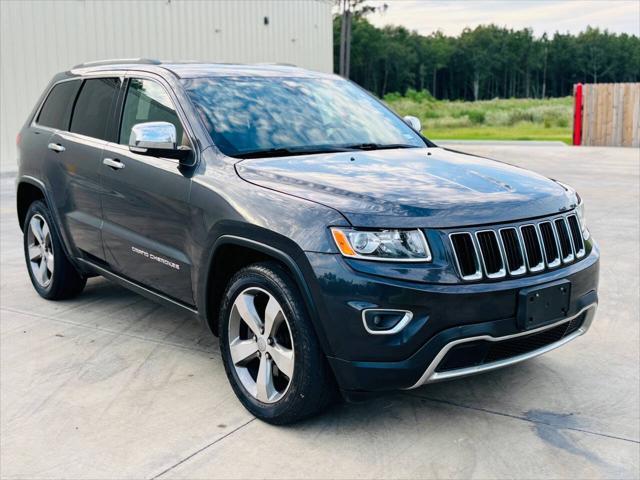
(413, 122)
(156, 135)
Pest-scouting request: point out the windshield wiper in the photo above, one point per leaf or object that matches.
(379, 146)
(289, 151)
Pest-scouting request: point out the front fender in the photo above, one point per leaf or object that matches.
(277, 247)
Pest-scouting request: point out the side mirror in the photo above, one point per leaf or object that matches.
(413, 122)
(157, 139)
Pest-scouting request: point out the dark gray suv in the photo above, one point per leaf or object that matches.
(329, 245)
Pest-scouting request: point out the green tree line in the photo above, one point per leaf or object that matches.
(487, 61)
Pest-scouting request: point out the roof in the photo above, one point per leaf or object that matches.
(198, 69)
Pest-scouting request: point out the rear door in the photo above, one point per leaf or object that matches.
(73, 162)
(145, 199)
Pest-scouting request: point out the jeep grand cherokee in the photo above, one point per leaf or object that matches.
(329, 245)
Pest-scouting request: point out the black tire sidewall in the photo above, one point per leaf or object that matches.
(61, 266)
(294, 404)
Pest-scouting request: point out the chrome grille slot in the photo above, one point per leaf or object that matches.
(532, 247)
(550, 244)
(513, 251)
(576, 235)
(466, 255)
(490, 254)
(494, 253)
(564, 239)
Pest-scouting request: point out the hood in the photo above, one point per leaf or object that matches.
(415, 187)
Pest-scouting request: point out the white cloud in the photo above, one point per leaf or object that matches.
(452, 17)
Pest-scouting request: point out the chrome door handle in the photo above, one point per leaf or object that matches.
(113, 163)
(56, 147)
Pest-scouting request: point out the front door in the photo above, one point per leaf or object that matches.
(145, 201)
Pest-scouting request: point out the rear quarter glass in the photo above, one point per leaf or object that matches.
(56, 111)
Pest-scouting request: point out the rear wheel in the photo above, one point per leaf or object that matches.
(270, 352)
(51, 273)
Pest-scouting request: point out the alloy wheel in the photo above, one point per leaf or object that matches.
(261, 345)
(40, 250)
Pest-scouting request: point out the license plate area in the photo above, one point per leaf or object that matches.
(539, 306)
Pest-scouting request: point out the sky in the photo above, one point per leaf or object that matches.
(451, 16)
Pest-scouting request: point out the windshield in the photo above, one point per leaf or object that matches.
(288, 116)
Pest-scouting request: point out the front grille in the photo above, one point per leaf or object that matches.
(564, 239)
(513, 251)
(481, 352)
(491, 254)
(466, 256)
(576, 235)
(550, 244)
(532, 247)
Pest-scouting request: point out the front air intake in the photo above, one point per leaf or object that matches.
(576, 235)
(513, 251)
(564, 239)
(533, 247)
(466, 256)
(491, 254)
(550, 244)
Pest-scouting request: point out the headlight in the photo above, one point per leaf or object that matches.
(383, 245)
(577, 200)
(581, 218)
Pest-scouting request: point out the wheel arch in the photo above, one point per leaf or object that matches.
(28, 191)
(228, 247)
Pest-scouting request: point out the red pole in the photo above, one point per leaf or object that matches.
(577, 115)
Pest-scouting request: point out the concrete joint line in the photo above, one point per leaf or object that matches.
(168, 469)
(524, 419)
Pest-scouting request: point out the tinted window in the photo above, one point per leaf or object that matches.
(56, 111)
(245, 114)
(91, 114)
(147, 101)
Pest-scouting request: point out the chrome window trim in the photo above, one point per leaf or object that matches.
(80, 78)
(123, 75)
(539, 267)
(523, 269)
(404, 321)
(478, 274)
(500, 273)
(430, 375)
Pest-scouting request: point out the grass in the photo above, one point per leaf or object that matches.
(498, 119)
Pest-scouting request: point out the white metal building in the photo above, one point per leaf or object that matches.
(42, 37)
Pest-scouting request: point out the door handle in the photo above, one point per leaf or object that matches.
(56, 147)
(113, 163)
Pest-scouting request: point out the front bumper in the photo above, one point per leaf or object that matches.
(445, 319)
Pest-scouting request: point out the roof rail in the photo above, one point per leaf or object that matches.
(115, 61)
(278, 64)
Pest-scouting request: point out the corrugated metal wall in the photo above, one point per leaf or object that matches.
(40, 38)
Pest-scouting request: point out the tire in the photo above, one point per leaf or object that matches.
(311, 386)
(57, 279)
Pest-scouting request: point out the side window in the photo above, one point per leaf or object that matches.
(93, 106)
(147, 101)
(56, 111)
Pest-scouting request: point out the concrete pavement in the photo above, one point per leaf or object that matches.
(111, 385)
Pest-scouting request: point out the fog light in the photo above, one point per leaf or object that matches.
(385, 322)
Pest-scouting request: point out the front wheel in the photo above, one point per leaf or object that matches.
(52, 274)
(270, 352)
